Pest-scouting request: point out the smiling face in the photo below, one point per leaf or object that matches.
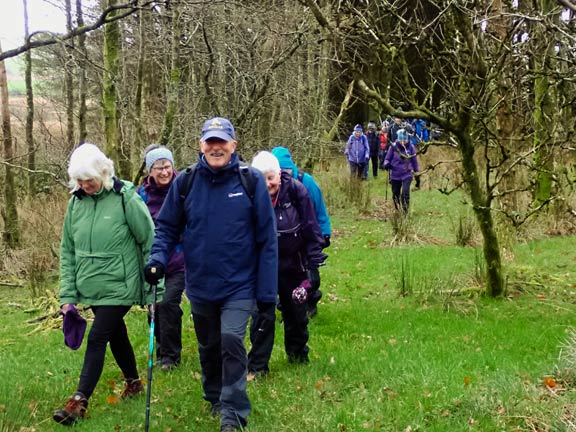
(217, 152)
(162, 172)
(90, 186)
(272, 182)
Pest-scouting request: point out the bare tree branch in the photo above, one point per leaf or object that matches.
(568, 4)
(55, 38)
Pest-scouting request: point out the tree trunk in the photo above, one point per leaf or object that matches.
(175, 78)
(69, 80)
(481, 205)
(11, 234)
(29, 110)
(544, 109)
(109, 93)
(82, 86)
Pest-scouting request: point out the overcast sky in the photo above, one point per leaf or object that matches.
(42, 15)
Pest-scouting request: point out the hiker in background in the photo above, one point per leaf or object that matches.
(287, 164)
(357, 152)
(300, 245)
(397, 124)
(403, 165)
(230, 249)
(383, 136)
(106, 238)
(374, 145)
(168, 330)
(421, 134)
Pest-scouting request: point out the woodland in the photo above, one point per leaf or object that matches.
(496, 78)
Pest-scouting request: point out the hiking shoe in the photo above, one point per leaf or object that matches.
(298, 358)
(256, 375)
(229, 428)
(74, 409)
(133, 388)
(167, 367)
(215, 410)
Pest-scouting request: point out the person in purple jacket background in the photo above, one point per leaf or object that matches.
(402, 163)
(168, 330)
(357, 152)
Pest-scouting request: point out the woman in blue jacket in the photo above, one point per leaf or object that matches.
(357, 151)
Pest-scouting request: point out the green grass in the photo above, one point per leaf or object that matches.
(440, 358)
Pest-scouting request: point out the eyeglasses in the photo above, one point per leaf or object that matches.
(162, 168)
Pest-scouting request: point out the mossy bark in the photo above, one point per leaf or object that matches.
(11, 233)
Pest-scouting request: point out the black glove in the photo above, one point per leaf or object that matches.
(326, 241)
(266, 308)
(314, 276)
(153, 272)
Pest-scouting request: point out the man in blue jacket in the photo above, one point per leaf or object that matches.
(231, 254)
(287, 164)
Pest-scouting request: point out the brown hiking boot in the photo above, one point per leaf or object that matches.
(133, 388)
(74, 409)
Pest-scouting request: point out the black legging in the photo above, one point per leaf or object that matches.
(401, 194)
(108, 326)
(375, 164)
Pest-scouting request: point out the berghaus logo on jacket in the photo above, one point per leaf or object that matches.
(235, 194)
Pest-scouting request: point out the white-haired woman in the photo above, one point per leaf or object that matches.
(106, 239)
(300, 244)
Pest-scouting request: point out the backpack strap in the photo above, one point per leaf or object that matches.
(247, 180)
(187, 182)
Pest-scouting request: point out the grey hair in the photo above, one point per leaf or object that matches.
(266, 162)
(88, 162)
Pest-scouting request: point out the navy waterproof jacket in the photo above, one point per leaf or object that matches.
(229, 241)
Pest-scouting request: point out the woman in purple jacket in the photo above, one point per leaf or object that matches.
(300, 244)
(402, 163)
(168, 329)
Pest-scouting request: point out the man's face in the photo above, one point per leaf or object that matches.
(217, 152)
(397, 120)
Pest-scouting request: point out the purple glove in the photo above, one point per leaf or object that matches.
(300, 293)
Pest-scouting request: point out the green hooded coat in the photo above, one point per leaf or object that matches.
(105, 244)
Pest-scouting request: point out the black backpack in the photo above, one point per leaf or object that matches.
(246, 178)
(289, 224)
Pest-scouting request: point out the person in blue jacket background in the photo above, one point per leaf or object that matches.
(231, 255)
(287, 164)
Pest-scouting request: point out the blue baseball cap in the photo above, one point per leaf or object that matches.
(218, 127)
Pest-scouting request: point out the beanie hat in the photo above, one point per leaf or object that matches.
(265, 162)
(358, 127)
(371, 125)
(402, 135)
(157, 154)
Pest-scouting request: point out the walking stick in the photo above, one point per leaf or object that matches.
(150, 353)
(387, 181)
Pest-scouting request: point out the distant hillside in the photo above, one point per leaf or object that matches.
(14, 68)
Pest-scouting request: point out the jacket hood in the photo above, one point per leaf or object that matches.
(285, 158)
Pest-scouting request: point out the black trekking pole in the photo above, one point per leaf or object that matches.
(150, 352)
